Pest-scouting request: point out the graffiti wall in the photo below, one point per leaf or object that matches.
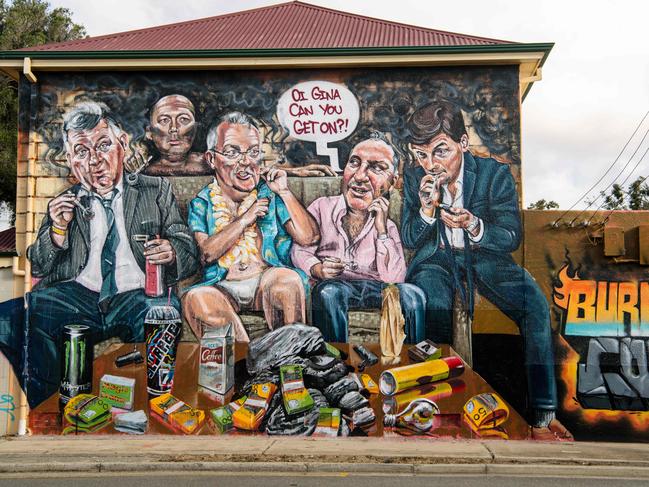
(293, 253)
(599, 312)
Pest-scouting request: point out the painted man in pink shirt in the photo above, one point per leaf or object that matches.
(360, 251)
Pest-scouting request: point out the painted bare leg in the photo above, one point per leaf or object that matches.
(209, 307)
(281, 296)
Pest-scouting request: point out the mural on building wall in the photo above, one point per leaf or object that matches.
(274, 213)
(604, 320)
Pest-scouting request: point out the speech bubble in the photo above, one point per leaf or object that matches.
(320, 112)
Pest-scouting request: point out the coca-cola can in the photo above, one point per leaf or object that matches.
(216, 362)
(163, 327)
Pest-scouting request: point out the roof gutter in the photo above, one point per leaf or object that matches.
(533, 56)
(300, 52)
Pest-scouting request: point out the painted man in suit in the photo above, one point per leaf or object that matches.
(90, 263)
(461, 216)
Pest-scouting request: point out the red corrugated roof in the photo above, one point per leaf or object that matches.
(8, 240)
(292, 25)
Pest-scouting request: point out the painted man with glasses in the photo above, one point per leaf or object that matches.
(360, 250)
(461, 216)
(244, 226)
(87, 253)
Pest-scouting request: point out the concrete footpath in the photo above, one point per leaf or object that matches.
(156, 454)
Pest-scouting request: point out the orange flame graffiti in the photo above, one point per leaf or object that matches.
(561, 294)
(637, 420)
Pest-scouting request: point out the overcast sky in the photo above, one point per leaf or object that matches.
(595, 87)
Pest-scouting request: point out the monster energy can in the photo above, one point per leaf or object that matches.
(76, 366)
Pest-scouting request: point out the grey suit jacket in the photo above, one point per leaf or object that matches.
(150, 208)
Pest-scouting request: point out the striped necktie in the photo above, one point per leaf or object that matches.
(108, 253)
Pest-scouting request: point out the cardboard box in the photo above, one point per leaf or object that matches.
(216, 361)
(117, 391)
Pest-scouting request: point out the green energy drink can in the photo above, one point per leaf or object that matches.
(76, 363)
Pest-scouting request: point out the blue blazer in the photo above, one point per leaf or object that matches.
(489, 193)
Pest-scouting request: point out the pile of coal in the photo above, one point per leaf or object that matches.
(309, 383)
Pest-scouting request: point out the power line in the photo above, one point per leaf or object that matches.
(602, 193)
(591, 203)
(607, 171)
(625, 180)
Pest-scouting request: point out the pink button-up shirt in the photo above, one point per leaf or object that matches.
(367, 257)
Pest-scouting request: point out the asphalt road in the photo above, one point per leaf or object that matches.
(293, 480)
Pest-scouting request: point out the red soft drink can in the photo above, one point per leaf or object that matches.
(153, 279)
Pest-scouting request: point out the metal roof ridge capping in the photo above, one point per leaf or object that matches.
(292, 25)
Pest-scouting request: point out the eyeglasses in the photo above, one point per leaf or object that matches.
(232, 154)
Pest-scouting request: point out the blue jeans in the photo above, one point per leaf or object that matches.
(64, 303)
(510, 288)
(12, 334)
(333, 298)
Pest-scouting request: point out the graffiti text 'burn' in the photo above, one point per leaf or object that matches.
(603, 308)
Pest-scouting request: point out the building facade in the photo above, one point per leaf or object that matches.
(289, 177)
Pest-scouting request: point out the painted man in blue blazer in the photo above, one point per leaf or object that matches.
(461, 216)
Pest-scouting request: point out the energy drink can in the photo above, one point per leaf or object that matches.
(76, 363)
(162, 326)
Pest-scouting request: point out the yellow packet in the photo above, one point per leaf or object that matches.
(485, 411)
(249, 416)
(369, 384)
(176, 413)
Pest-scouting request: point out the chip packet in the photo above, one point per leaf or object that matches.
(222, 416)
(485, 411)
(175, 413)
(253, 410)
(424, 351)
(117, 391)
(86, 413)
(369, 385)
(134, 423)
(295, 397)
(335, 352)
(328, 422)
